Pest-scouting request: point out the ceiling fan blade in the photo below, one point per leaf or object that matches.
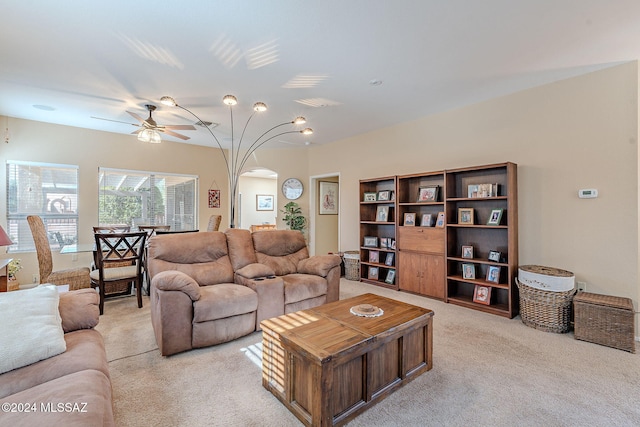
(177, 135)
(180, 127)
(137, 131)
(137, 117)
(117, 121)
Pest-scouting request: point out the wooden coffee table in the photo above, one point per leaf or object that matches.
(327, 365)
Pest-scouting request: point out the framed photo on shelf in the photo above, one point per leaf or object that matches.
(495, 217)
(467, 251)
(392, 245)
(382, 214)
(493, 274)
(370, 242)
(369, 196)
(384, 242)
(465, 216)
(428, 194)
(264, 202)
(409, 219)
(427, 220)
(440, 220)
(389, 260)
(494, 256)
(391, 276)
(384, 195)
(468, 271)
(374, 256)
(373, 273)
(482, 294)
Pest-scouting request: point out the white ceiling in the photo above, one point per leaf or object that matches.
(102, 58)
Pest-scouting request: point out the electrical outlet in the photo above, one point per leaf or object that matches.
(582, 286)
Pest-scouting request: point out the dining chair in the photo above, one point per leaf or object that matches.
(113, 228)
(151, 231)
(119, 261)
(76, 278)
(214, 222)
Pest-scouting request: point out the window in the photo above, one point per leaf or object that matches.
(147, 198)
(44, 189)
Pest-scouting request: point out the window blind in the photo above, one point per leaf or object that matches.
(47, 190)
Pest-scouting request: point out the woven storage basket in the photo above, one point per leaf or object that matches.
(549, 311)
(605, 320)
(352, 265)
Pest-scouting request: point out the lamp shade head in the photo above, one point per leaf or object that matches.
(168, 101)
(230, 100)
(4, 238)
(307, 131)
(299, 120)
(259, 107)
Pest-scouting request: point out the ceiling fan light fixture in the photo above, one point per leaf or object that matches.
(307, 131)
(150, 136)
(299, 120)
(230, 100)
(259, 107)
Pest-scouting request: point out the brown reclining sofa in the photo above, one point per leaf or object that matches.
(212, 287)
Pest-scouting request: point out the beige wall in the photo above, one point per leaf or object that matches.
(577, 133)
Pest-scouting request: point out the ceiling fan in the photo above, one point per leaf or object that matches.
(150, 124)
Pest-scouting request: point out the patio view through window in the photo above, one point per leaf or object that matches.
(147, 198)
(44, 189)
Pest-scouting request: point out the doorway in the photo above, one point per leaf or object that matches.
(324, 230)
(259, 201)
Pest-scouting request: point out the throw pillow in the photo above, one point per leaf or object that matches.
(31, 327)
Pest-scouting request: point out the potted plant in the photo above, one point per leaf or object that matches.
(293, 217)
(12, 268)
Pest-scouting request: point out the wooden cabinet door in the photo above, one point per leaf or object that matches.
(432, 283)
(422, 273)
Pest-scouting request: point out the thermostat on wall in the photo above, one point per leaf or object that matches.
(589, 193)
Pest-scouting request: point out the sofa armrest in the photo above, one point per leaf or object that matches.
(255, 270)
(319, 265)
(79, 309)
(173, 280)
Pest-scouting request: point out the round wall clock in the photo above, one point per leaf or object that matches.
(292, 188)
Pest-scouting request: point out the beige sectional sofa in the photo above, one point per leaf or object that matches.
(70, 389)
(213, 287)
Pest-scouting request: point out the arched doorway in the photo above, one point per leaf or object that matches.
(258, 198)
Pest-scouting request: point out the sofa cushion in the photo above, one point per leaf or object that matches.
(241, 250)
(79, 309)
(202, 256)
(31, 327)
(298, 287)
(223, 300)
(85, 350)
(89, 387)
(281, 250)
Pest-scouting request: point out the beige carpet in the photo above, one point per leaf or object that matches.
(487, 371)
